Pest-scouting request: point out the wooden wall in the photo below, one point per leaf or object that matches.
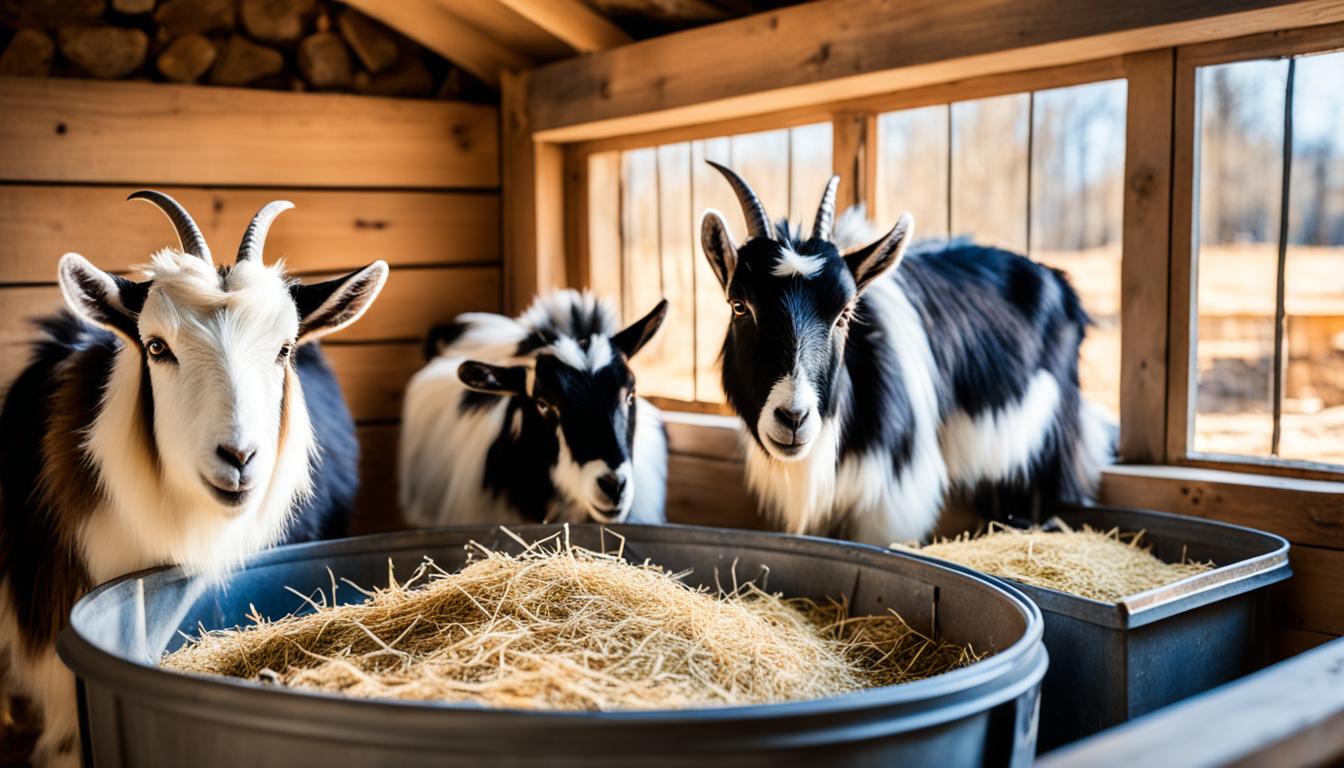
(415, 183)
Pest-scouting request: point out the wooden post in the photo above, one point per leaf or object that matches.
(533, 200)
(1143, 280)
(854, 147)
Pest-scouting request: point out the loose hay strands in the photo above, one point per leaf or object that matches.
(563, 627)
(1103, 565)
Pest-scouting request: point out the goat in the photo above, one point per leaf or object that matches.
(186, 419)
(534, 419)
(873, 398)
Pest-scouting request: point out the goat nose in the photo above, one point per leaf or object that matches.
(234, 456)
(612, 485)
(791, 418)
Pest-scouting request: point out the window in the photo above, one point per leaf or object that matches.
(664, 190)
(1038, 173)
(1269, 242)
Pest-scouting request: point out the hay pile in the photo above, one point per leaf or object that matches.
(1103, 565)
(560, 627)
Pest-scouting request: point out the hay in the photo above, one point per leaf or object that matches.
(561, 627)
(1102, 565)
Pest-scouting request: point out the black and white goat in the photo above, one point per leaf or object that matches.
(872, 396)
(185, 419)
(534, 419)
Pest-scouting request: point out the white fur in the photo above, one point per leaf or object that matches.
(443, 451)
(882, 506)
(999, 444)
(794, 392)
(792, 264)
(226, 388)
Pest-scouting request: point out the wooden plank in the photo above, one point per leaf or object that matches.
(601, 251)
(533, 200)
(712, 315)
(149, 133)
(327, 231)
(1280, 42)
(376, 507)
(1289, 714)
(579, 26)
(837, 49)
(374, 376)
(705, 435)
(415, 300)
(1313, 600)
(1144, 267)
(675, 343)
(1286, 643)
(509, 29)
(709, 492)
(854, 148)
(435, 25)
(1303, 511)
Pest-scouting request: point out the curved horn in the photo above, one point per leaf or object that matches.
(188, 234)
(821, 228)
(254, 239)
(758, 224)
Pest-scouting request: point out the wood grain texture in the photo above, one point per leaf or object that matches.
(142, 133)
(374, 376)
(436, 25)
(1145, 243)
(534, 203)
(573, 22)
(1313, 600)
(1303, 511)
(327, 231)
(836, 49)
(709, 492)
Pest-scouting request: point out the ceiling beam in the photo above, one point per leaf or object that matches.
(431, 24)
(579, 26)
(832, 50)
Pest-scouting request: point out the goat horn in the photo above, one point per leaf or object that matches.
(821, 228)
(188, 234)
(758, 224)
(254, 239)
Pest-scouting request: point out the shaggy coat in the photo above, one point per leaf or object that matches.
(186, 420)
(873, 395)
(533, 419)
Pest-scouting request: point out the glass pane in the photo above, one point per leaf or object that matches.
(912, 166)
(1238, 189)
(1313, 404)
(989, 170)
(810, 160)
(1077, 208)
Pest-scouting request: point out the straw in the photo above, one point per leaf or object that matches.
(562, 627)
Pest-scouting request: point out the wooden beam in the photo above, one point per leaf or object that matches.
(327, 231)
(1143, 268)
(839, 49)
(434, 24)
(533, 198)
(151, 133)
(854, 148)
(573, 22)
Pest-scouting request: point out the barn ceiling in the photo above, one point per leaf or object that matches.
(487, 37)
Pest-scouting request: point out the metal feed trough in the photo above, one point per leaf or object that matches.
(135, 713)
(1110, 662)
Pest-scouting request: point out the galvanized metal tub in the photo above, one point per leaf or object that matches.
(135, 713)
(1110, 662)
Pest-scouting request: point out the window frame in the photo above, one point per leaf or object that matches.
(1157, 263)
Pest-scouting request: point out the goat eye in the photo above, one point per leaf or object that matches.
(739, 307)
(156, 348)
(630, 398)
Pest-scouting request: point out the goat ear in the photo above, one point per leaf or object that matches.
(100, 298)
(495, 379)
(872, 261)
(718, 245)
(329, 306)
(638, 333)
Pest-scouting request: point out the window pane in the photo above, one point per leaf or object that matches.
(1077, 206)
(1238, 189)
(1313, 405)
(989, 170)
(912, 165)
